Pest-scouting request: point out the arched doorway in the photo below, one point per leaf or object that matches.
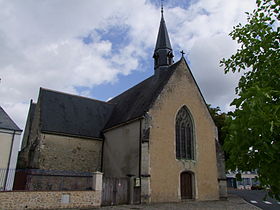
(186, 179)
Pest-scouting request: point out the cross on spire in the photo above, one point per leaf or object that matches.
(161, 7)
(163, 55)
(182, 52)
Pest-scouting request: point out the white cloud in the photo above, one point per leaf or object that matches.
(41, 45)
(203, 33)
(218, 88)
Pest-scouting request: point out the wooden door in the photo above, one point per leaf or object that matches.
(115, 191)
(186, 185)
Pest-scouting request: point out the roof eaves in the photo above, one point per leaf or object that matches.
(71, 135)
(123, 123)
(12, 130)
(70, 94)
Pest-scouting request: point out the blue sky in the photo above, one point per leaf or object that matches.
(99, 49)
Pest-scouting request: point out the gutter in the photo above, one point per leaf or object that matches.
(70, 135)
(12, 131)
(102, 154)
(122, 124)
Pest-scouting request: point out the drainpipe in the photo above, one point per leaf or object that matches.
(102, 153)
(10, 156)
(140, 153)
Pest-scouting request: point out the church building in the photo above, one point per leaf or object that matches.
(160, 131)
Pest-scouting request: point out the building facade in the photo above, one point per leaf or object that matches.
(160, 132)
(9, 146)
(248, 180)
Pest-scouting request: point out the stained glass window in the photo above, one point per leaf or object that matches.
(184, 135)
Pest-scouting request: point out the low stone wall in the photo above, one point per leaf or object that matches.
(49, 199)
(51, 180)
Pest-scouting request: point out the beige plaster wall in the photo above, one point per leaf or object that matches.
(165, 169)
(69, 153)
(121, 151)
(5, 141)
(49, 199)
(7, 167)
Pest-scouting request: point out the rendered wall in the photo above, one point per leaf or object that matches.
(8, 137)
(165, 169)
(69, 153)
(5, 140)
(121, 151)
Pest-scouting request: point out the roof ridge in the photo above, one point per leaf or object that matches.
(71, 114)
(71, 94)
(131, 88)
(169, 67)
(137, 100)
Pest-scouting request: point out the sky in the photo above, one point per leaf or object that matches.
(99, 49)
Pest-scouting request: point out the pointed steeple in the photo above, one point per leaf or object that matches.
(163, 56)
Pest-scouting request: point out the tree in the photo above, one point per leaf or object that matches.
(220, 121)
(253, 141)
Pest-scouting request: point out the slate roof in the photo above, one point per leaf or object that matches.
(163, 41)
(6, 122)
(75, 115)
(63, 113)
(136, 101)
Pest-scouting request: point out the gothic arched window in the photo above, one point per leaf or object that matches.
(184, 135)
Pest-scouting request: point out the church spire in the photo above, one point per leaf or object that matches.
(163, 56)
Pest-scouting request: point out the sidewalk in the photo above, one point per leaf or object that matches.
(233, 202)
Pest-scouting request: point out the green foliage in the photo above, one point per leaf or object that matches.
(253, 141)
(238, 177)
(220, 121)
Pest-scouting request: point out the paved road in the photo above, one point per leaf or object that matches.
(256, 197)
(233, 203)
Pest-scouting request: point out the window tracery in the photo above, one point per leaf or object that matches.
(184, 135)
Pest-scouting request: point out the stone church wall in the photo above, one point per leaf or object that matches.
(28, 126)
(165, 168)
(69, 153)
(58, 152)
(221, 171)
(28, 156)
(121, 151)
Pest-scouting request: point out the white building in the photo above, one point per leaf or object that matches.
(248, 179)
(9, 147)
